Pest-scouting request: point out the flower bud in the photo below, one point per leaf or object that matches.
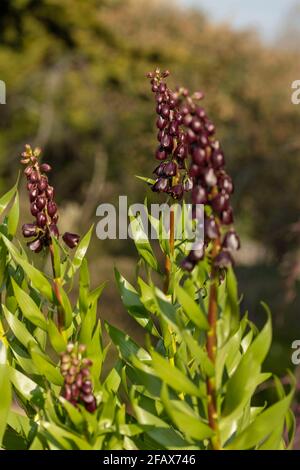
(232, 241)
(161, 185)
(170, 169)
(29, 230)
(187, 264)
(227, 216)
(177, 191)
(51, 208)
(223, 260)
(41, 219)
(41, 202)
(54, 230)
(161, 154)
(71, 239)
(45, 167)
(211, 228)
(199, 195)
(220, 202)
(35, 245)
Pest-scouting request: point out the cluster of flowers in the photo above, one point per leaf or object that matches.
(78, 387)
(172, 174)
(42, 204)
(188, 143)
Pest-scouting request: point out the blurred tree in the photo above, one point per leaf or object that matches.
(75, 85)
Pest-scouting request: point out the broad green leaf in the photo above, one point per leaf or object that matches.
(57, 340)
(56, 257)
(13, 216)
(74, 414)
(28, 307)
(5, 200)
(18, 328)
(66, 305)
(159, 430)
(63, 437)
(142, 243)
(25, 386)
(185, 418)
(191, 308)
(127, 347)
(232, 308)
(263, 426)
(173, 376)
(36, 277)
(133, 304)
(80, 252)
(45, 367)
(243, 382)
(5, 392)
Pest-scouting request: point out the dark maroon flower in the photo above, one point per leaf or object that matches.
(177, 191)
(71, 239)
(29, 230)
(45, 167)
(161, 185)
(41, 219)
(220, 202)
(232, 241)
(51, 208)
(187, 264)
(224, 260)
(211, 228)
(199, 195)
(170, 169)
(36, 245)
(53, 229)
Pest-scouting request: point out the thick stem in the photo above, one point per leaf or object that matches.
(211, 346)
(60, 312)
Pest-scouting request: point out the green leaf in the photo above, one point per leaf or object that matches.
(191, 308)
(5, 392)
(185, 418)
(25, 386)
(80, 252)
(66, 305)
(142, 243)
(37, 278)
(127, 347)
(173, 376)
(56, 256)
(232, 308)
(243, 382)
(5, 200)
(56, 339)
(45, 367)
(149, 181)
(18, 328)
(28, 306)
(133, 304)
(13, 217)
(263, 426)
(63, 437)
(74, 414)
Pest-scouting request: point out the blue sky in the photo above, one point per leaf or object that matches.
(266, 15)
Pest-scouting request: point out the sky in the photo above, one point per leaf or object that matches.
(266, 15)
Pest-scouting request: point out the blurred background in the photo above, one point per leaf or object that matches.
(75, 77)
